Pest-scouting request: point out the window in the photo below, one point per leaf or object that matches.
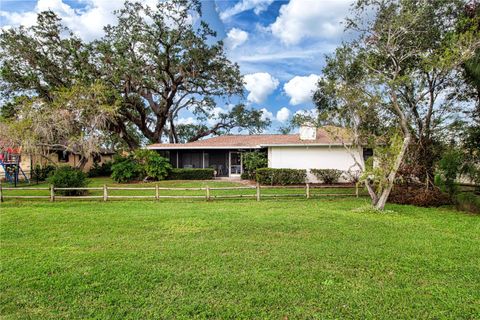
(367, 153)
(97, 158)
(63, 156)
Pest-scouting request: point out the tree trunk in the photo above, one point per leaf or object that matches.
(380, 205)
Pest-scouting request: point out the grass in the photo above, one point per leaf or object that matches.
(99, 182)
(272, 259)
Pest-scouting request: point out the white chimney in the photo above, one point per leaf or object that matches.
(308, 132)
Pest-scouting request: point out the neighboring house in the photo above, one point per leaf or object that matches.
(56, 157)
(312, 148)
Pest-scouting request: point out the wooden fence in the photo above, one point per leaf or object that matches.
(157, 192)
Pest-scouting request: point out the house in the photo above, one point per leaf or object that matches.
(10, 156)
(311, 148)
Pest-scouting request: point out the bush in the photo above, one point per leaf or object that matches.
(418, 195)
(103, 170)
(273, 176)
(468, 201)
(68, 177)
(251, 162)
(448, 169)
(153, 165)
(41, 173)
(353, 176)
(191, 174)
(126, 169)
(327, 176)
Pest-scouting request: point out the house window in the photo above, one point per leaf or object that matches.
(367, 153)
(97, 158)
(63, 156)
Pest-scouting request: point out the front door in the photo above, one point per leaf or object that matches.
(235, 164)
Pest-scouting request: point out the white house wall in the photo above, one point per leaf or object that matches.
(313, 157)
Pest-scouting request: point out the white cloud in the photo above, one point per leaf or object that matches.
(235, 38)
(259, 85)
(266, 115)
(301, 19)
(283, 114)
(312, 113)
(258, 7)
(301, 89)
(187, 120)
(87, 23)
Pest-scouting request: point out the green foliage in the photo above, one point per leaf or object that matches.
(100, 170)
(468, 201)
(327, 176)
(68, 177)
(153, 165)
(449, 168)
(41, 173)
(251, 162)
(126, 169)
(272, 176)
(385, 156)
(191, 174)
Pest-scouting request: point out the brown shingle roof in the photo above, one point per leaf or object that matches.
(325, 136)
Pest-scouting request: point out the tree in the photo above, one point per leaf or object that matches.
(159, 62)
(162, 64)
(398, 72)
(73, 119)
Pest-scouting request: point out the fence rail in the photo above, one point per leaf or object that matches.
(156, 192)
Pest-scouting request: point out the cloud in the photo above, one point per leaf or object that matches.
(235, 38)
(258, 7)
(259, 85)
(87, 22)
(266, 115)
(187, 120)
(301, 19)
(283, 114)
(301, 89)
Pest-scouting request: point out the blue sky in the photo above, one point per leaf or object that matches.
(279, 45)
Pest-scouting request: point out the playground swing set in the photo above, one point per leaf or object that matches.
(10, 162)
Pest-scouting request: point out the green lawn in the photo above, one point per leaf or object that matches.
(275, 259)
(99, 182)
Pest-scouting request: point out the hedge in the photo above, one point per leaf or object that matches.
(191, 174)
(327, 176)
(273, 176)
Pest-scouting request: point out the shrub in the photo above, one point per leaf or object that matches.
(103, 170)
(468, 201)
(68, 177)
(327, 176)
(418, 195)
(273, 176)
(251, 162)
(153, 164)
(191, 174)
(353, 176)
(126, 169)
(41, 173)
(448, 169)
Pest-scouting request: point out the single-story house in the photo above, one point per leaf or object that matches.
(311, 148)
(27, 161)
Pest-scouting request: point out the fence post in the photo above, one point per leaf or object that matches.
(52, 193)
(105, 192)
(157, 193)
(307, 190)
(356, 189)
(1, 192)
(207, 189)
(258, 191)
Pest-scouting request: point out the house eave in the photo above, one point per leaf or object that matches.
(202, 147)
